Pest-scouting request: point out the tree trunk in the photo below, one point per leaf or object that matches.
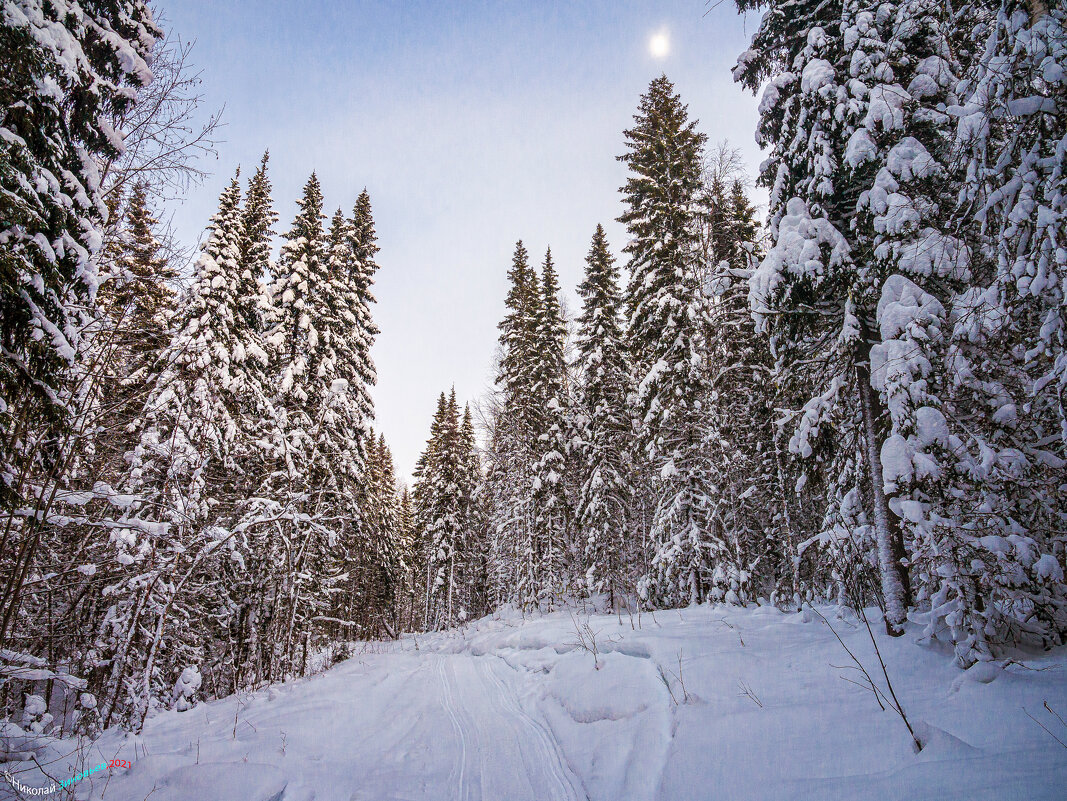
(896, 586)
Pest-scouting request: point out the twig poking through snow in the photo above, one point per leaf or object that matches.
(890, 699)
(1046, 728)
(747, 692)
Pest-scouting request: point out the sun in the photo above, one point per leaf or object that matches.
(660, 44)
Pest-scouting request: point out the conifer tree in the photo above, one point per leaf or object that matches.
(258, 218)
(186, 472)
(519, 341)
(602, 423)
(551, 506)
(440, 510)
(812, 207)
(513, 441)
(666, 329)
(473, 590)
(306, 483)
(738, 417)
(410, 563)
(137, 293)
(361, 327)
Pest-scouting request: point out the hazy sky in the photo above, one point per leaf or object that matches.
(471, 124)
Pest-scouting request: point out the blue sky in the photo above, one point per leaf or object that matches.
(472, 124)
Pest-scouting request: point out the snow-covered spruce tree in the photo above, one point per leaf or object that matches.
(348, 331)
(512, 442)
(475, 587)
(258, 218)
(410, 563)
(664, 199)
(920, 323)
(811, 297)
(439, 499)
(251, 578)
(602, 425)
(373, 564)
(389, 565)
(51, 214)
(186, 475)
(362, 328)
(551, 505)
(137, 293)
(136, 301)
(306, 480)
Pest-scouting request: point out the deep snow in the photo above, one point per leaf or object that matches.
(699, 703)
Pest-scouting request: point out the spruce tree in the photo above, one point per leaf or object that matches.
(138, 294)
(440, 509)
(549, 392)
(186, 473)
(812, 207)
(258, 219)
(513, 445)
(602, 424)
(664, 199)
(519, 341)
(361, 327)
(307, 482)
(738, 418)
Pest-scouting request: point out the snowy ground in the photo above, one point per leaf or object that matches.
(715, 703)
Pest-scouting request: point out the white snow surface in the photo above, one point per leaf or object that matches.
(708, 702)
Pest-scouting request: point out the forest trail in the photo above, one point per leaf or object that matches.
(698, 703)
(504, 752)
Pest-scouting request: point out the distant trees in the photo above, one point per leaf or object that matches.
(446, 519)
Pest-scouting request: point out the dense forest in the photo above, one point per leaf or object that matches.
(859, 399)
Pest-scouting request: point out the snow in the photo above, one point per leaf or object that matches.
(886, 108)
(817, 74)
(908, 159)
(860, 148)
(703, 702)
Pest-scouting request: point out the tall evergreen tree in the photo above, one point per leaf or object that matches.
(812, 206)
(440, 510)
(549, 392)
(138, 293)
(664, 199)
(362, 329)
(258, 219)
(186, 471)
(513, 446)
(602, 423)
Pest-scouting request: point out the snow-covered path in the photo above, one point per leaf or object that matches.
(700, 703)
(504, 752)
(418, 725)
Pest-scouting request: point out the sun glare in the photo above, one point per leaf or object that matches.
(659, 45)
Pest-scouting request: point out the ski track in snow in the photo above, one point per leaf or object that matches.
(504, 752)
(549, 757)
(457, 778)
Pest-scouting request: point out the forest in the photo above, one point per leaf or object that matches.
(854, 396)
